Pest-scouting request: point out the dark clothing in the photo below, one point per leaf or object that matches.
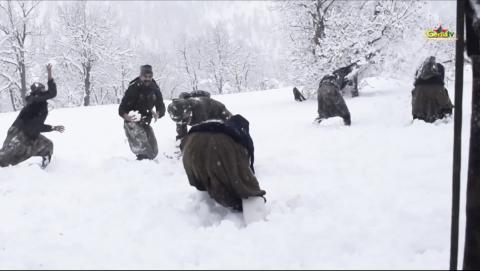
(19, 147)
(298, 95)
(437, 79)
(32, 117)
(192, 111)
(331, 102)
(142, 98)
(194, 94)
(430, 102)
(237, 127)
(215, 163)
(141, 139)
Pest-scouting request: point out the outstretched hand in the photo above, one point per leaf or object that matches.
(59, 128)
(49, 70)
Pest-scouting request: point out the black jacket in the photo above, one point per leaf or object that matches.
(32, 117)
(237, 127)
(435, 80)
(141, 98)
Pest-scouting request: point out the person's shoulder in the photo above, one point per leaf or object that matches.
(135, 82)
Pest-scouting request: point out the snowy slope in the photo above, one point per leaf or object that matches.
(373, 195)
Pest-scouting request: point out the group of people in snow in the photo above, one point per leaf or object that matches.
(217, 151)
(430, 100)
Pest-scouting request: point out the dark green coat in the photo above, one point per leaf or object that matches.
(430, 102)
(331, 103)
(215, 163)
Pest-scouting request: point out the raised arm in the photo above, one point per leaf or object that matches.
(50, 93)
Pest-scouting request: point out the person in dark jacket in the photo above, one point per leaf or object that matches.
(24, 139)
(218, 158)
(298, 95)
(330, 101)
(136, 109)
(192, 111)
(430, 100)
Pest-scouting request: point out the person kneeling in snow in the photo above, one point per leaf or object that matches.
(330, 100)
(24, 139)
(142, 94)
(191, 111)
(218, 158)
(430, 100)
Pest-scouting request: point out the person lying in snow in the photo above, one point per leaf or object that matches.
(218, 158)
(192, 111)
(141, 96)
(430, 100)
(23, 138)
(330, 101)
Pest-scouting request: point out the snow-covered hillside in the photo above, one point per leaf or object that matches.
(373, 195)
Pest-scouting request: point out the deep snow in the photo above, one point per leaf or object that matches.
(373, 195)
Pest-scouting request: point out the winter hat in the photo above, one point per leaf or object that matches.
(37, 87)
(146, 69)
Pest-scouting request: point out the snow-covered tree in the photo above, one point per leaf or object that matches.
(327, 34)
(17, 26)
(88, 48)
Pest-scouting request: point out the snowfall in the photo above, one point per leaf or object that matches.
(373, 195)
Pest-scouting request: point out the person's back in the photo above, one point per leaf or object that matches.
(330, 101)
(211, 144)
(430, 99)
(204, 108)
(430, 73)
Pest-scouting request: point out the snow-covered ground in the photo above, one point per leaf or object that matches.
(373, 195)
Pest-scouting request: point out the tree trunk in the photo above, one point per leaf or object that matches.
(12, 99)
(86, 99)
(23, 78)
(471, 259)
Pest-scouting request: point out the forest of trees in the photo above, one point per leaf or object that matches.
(95, 58)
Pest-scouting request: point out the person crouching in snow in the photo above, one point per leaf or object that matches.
(218, 158)
(430, 100)
(142, 95)
(23, 138)
(330, 100)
